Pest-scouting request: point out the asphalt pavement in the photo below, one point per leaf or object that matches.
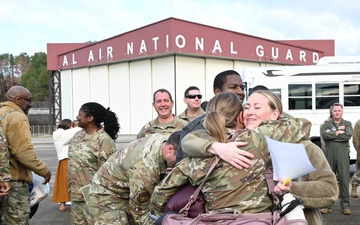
(49, 213)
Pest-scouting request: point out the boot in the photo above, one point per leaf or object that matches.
(354, 191)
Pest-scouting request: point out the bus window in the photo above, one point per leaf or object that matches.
(246, 91)
(352, 95)
(300, 96)
(326, 95)
(277, 92)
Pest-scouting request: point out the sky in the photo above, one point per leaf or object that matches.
(27, 26)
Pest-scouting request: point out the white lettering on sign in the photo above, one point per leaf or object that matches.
(315, 57)
(180, 41)
(109, 52)
(302, 56)
(167, 41)
(65, 61)
(73, 59)
(130, 48)
(155, 39)
(232, 48)
(217, 47)
(260, 51)
(274, 55)
(91, 56)
(199, 43)
(142, 47)
(288, 55)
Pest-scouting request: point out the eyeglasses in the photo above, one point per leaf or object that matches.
(30, 100)
(194, 96)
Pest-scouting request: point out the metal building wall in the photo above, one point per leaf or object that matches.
(128, 87)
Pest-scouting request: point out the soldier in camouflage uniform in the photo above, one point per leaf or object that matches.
(192, 98)
(120, 191)
(355, 179)
(88, 150)
(166, 122)
(228, 188)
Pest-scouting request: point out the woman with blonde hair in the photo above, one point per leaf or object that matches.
(228, 188)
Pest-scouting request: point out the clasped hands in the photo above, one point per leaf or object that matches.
(5, 187)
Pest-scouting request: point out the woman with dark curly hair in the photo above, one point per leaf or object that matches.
(89, 149)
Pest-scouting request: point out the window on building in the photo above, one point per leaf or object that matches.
(300, 96)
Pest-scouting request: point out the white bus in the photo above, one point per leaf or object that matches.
(310, 91)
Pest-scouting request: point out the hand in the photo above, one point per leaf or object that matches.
(338, 132)
(280, 189)
(229, 152)
(47, 178)
(5, 188)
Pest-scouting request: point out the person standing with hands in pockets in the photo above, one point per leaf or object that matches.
(336, 133)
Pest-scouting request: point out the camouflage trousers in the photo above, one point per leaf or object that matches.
(77, 213)
(15, 208)
(112, 212)
(355, 179)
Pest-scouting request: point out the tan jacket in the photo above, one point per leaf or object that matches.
(23, 158)
(318, 189)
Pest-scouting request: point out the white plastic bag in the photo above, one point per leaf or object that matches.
(39, 191)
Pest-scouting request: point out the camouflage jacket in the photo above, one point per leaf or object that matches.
(228, 188)
(185, 117)
(356, 141)
(154, 126)
(86, 155)
(126, 181)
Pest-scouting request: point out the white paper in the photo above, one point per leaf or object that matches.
(289, 160)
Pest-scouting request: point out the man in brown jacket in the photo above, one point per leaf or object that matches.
(16, 128)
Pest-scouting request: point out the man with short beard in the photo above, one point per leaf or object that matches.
(23, 160)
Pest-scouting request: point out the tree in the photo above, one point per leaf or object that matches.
(36, 77)
(7, 65)
(23, 63)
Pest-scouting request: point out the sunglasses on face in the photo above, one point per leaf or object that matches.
(194, 96)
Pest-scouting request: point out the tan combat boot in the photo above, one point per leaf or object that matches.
(354, 191)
